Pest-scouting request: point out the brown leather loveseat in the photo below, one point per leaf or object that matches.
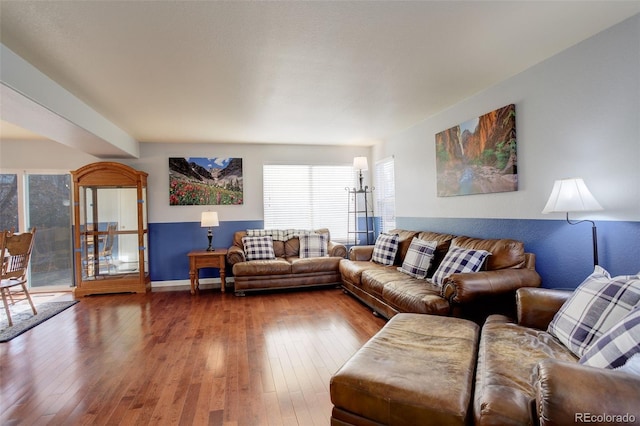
(286, 268)
(468, 295)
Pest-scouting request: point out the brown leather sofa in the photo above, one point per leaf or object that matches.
(287, 270)
(405, 374)
(468, 295)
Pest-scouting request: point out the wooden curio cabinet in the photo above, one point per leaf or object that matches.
(110, 229)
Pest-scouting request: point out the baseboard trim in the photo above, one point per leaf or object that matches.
(205, 284)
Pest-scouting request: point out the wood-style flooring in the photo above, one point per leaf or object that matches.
(169, 358)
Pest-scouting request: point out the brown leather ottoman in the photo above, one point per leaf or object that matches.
(418, 370)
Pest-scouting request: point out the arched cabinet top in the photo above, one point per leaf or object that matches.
(108, 173)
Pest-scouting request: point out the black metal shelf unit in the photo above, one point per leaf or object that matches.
(360, 216)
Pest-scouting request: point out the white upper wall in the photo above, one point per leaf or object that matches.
(577, 115)
(154, 159)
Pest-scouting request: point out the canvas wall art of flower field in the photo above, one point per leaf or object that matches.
(205, 181)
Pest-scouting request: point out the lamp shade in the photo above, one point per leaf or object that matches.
(571, 195)
(360, 163)
(209, 219)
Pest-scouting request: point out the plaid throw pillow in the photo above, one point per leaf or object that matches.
(385, 249)
(258, 248)
(418, 258)
(313, 245)
(459, 260)
(598, 304)
(616, 346)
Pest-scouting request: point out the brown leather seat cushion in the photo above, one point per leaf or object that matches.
(351, 270)
(316, 264)
(262, 267)
(507, 356)
(374, 280)
(417, 370)
(413, 295)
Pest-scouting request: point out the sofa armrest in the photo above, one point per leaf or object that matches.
(235, 255)
(466, 287)
(361, 252)
(570, 393)
(537, 306)
(337, 249)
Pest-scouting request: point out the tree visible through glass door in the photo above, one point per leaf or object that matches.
(49, 210)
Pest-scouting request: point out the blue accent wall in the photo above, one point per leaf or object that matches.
(169, 244)
(563, 252)
(564, 255)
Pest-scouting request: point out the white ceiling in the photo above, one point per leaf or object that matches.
(318, 72)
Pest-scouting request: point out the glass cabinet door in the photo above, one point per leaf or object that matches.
(109, 232)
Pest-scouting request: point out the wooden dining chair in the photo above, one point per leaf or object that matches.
(15, 253)
(106, 253)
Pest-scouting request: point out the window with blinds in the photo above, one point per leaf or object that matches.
(307, 197)
(386, 194)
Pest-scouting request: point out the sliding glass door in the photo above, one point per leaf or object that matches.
(9, 201)
(43, 201)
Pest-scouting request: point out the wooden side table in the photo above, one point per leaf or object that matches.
(206, 259)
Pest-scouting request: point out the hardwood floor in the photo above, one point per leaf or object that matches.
(169, 358)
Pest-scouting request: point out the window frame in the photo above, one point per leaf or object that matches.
(336, 196)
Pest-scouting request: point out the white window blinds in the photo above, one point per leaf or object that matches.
(386, 194)
(307, 197)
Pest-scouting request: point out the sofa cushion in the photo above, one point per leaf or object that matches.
(505, 253)
(507, 356)
(292, 245)
(285, 241)
(616, 346)
(373, 280)
(596, 305)
(459, 260)
(351, 270)
(385, 249)
(258, 248)
(414, 295)
(276, 266)
(313, 245)
(418, 258)
(315, 264)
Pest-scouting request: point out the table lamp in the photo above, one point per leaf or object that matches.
(209, 220)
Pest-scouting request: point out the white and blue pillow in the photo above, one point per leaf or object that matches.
(385, 249)
(418, 258)
(258, 248)
(615, 347)
(313, 245)
(459, 260)
(597, 304)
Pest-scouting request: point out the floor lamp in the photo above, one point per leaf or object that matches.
(572, 195)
